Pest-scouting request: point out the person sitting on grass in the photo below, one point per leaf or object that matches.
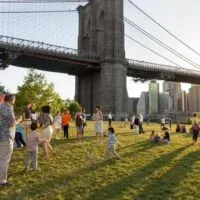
(183, 129)
(154, 137)
(178, 128)
(112, 143)
(166, 138)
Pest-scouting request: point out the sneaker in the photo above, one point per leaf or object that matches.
(6, 184)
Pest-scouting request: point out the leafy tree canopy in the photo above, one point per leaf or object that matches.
(36, 90)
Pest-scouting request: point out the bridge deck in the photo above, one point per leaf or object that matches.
(39, 55)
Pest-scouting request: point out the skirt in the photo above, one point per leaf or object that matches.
(99, 127)
(47, 133)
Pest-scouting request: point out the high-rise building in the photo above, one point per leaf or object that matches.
(132, 105)
(194, 98)
(184, 102)
(143, 103)
(163, 102)
(153, 97)
(174, 90)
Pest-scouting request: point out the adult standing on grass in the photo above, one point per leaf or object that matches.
(7, 135)
(66, 119)
(84, 118)
(46, 121)
(99, 124)
(195, 128)
(79, 123)
(110, 119)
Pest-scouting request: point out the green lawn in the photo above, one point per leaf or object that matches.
(145, 170)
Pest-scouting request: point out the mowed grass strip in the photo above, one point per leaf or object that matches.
(145, 170)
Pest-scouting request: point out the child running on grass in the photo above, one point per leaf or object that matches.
(112, 143)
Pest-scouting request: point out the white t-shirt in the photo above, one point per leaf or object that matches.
(141, 118)
(163, 120)
(109, 116)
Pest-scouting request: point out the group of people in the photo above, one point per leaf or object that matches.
(158, 139)
(12, 127)
(137, 123)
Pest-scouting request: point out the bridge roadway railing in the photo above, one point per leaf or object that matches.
(148, 66)
(17, 44)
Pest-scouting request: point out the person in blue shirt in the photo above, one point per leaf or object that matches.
(19, 136)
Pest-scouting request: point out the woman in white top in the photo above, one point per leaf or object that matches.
(46, 120)
(99, 124)
(57, 124)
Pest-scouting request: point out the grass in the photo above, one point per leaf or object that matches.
(145, 170)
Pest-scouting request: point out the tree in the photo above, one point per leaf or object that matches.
(36, 90)
(73, 107)
(2, 89)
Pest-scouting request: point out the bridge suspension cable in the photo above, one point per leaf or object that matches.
(166, 30)
(37, 11)
(44, 1)
(159, 42)
(158, 54)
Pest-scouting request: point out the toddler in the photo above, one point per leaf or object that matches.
(112, 143)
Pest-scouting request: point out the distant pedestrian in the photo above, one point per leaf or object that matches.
(141, 119)
(99, 124)
(110, 119)
(195, 128)
(162, 120)
(85, 119)
(170, 123)
(136, 124)
(66, 119)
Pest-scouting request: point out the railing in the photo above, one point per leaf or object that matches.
(148, 66)
(45, 47)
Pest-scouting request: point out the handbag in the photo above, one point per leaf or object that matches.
(195, 127)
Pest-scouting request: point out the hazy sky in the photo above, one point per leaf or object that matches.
(179, 16)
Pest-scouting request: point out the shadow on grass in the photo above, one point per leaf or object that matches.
(32, 190)
(117, 188)
(57, 142)
(163, 187)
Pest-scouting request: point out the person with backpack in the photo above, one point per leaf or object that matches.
(195, 128)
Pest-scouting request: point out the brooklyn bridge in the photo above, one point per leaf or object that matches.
(99, 63)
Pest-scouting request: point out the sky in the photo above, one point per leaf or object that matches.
(181, 17)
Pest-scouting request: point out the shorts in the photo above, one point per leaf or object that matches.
(99, 127)
(79, 128)
(57, 126)
(27, 123)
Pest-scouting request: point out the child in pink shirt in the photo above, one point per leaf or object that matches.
(32, 141)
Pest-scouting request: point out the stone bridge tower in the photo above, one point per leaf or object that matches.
(101, 31)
